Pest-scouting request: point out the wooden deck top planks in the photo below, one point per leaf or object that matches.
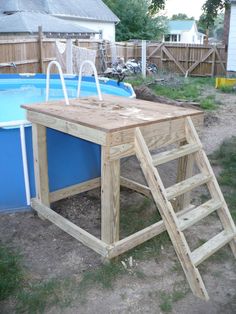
(113, 113)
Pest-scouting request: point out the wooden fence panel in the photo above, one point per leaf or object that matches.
(185, 59)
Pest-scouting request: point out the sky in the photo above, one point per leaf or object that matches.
(189, 7)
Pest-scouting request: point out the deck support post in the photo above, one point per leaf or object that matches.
(110, 198)
(40, 163)
(185, 171)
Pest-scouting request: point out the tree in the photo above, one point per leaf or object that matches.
(156, 5)
(211, 9)
(135, 20)
(181, 16)
(216, 30)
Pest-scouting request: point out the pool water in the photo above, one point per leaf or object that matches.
(71, 160)
(16, 92)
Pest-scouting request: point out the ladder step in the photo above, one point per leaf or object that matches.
(191, 217)
(211, 246)
(175, 153)
(187, 185)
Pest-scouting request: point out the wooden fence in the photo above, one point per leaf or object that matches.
(193, 60)
(32, 55)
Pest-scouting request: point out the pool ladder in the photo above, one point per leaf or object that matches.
(95, 76)
(57, 64)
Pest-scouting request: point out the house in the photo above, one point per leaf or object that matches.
(231, 60)
(183, 31)
(27, 23)
(90, 14)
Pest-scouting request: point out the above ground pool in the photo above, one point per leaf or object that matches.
(70, 160)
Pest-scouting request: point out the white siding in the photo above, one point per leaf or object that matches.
(231, 62)
(191, 36)
(187, 37)
(107, 28)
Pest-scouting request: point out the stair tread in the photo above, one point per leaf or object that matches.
(211, 246)
(175, 153)
(187, 185)
(193, 216)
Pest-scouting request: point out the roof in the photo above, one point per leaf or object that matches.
(82, 9)
(28, 22)
(179, 26)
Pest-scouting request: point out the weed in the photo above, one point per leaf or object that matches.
(103, 276)
(166, 302)
(220, 256)
(135, 218)
(10, 272)
(36, 297)
(179, 292)
(216, 274)
(138, 80)
(208, 103)
(177, 268)
(190, 89)
(123, 296)
(201, 242)
(225, 157)
(178, 295)
(227, 89)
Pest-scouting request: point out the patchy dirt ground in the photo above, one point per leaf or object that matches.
(49, 253)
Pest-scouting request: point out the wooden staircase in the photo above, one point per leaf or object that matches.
(176, 224)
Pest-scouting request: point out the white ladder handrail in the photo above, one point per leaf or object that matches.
(57, 64)
(95, 76)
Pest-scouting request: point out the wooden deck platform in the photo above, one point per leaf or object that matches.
(110, 123)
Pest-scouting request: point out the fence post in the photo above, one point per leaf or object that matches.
(69, 57)
(144, 57)
(41, 66)
(213, 62)
(126, 52)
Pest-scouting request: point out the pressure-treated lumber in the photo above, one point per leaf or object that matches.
(213, 186)
(135, 239)
(110, 198)
(187, 185)
(173, 154)
(70, 228)
(211, 246)
(198, 213)
(184, 171)
(140, 237)
(135, 186)
(75, 189)
(71, 128)
(169, 217)
(40, 163)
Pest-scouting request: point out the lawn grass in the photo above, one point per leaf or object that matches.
(168, 298)
(227, 89)
(10, 272)
(185, 89)
(225, 157)
(137, 217)
(190, 89)
(36, 297)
